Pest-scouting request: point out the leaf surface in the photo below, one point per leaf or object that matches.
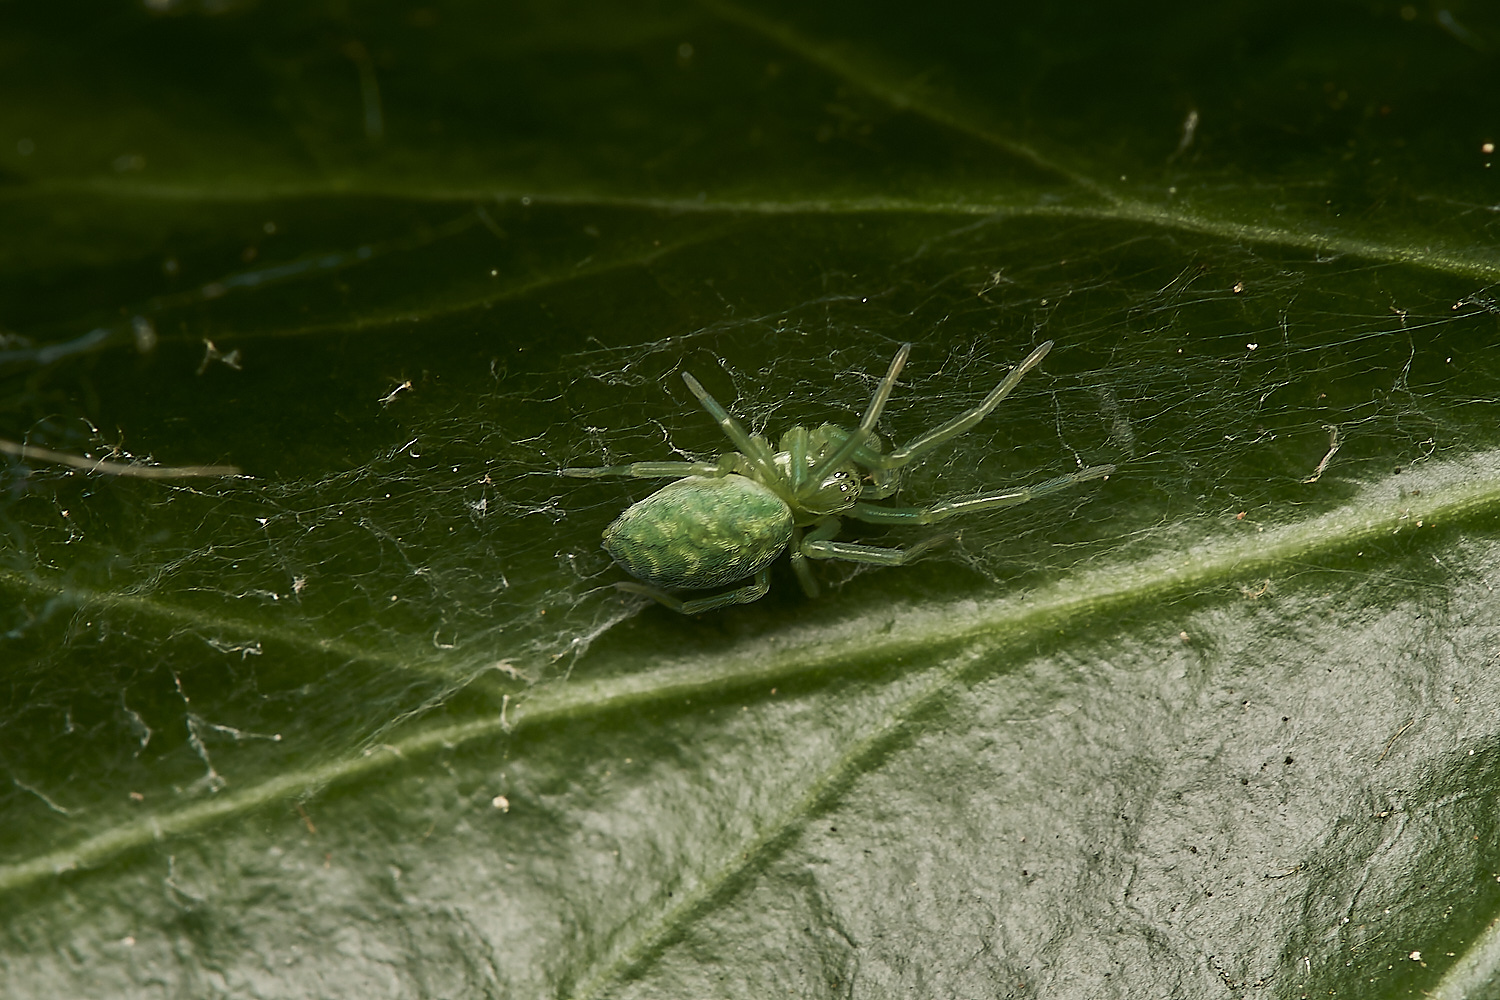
(368, 718)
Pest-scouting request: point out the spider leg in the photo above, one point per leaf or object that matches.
(740, 595)
(841, 454)
(651, 470)
(970, 505)
(794, 442)
(823, 529)
(962, 422)
(754, 448)
(824, 548)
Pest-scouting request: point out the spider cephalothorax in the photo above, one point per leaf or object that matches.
(727, 521)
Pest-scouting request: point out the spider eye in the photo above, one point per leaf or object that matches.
(841, 481)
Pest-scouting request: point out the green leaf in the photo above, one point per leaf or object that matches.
(368, 717)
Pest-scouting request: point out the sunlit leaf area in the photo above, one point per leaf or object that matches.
(315, 681)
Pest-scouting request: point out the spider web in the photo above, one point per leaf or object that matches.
(403, 546)
(1217, 384)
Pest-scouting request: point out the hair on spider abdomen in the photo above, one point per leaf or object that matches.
(701, 532)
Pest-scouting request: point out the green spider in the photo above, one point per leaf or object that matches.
(727, 521)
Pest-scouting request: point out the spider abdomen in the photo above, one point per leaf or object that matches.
(701, 532)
